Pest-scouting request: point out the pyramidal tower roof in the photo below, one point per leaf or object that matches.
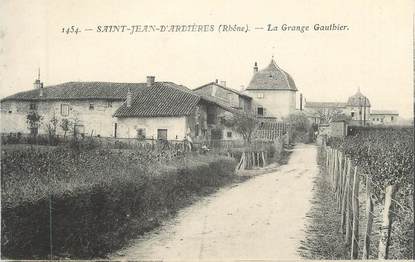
(358, 99)
(272, 78)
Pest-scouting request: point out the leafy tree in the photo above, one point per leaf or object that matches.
(242, 123)
(33, 120)
(65, 125)
(51, 127)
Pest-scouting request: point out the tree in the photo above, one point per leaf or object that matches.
(65, 125)
(242, 123)
(327, 115)
(33, 120)
(51, 127)
(300, 127)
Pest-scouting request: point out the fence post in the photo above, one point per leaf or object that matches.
(369, 220)
(349, 213)
(386, 224)
(339, 181)
(355, 204)
(335, 173)
(50, 228)
(344, 196)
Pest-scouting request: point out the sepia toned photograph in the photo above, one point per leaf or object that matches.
(207, 130)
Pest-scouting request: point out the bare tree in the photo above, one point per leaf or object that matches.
(327, 115)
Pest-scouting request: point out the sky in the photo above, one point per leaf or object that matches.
(375, 54)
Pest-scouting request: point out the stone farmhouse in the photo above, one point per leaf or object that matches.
(156, 110)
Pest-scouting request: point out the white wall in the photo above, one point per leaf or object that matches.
(176, 127)
(277, 103)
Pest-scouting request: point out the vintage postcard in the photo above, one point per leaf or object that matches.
(207, 130)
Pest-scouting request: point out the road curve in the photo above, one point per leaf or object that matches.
(262, 218)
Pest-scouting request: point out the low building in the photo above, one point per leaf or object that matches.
(172, 112)
(384, 117)
(338, 128)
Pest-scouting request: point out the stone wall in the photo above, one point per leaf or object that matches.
(93, 117)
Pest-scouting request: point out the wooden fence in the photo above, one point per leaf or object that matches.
(345, 182)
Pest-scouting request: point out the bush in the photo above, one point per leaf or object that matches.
(100, 198)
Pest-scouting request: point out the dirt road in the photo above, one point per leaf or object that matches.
(262, 218)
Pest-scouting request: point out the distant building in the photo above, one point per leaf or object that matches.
(356, 110)
(273, 92)
(384, 117)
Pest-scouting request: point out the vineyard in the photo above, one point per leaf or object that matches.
(380, 160)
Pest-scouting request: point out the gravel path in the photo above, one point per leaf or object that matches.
(262, 218)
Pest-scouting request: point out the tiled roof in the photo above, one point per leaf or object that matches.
(220, 103)
(324, 104)
(384, 112)
(161, 99)
(358, 99)
(79, 91)
(224, 87)
(272, 78)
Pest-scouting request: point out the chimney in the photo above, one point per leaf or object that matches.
(255, 67)
(223, 83)
(129, 98)
(301, 102)
(41, 89)
(150, 80)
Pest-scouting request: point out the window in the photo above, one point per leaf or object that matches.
(260, 111)
(141, 133)
(10, 111)
(162, 134)
(260, 95)
(64, 110)
(352, 114)
(91, 106)
(33, 106)
(391, 118)
(109, 103)
(229, 134)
